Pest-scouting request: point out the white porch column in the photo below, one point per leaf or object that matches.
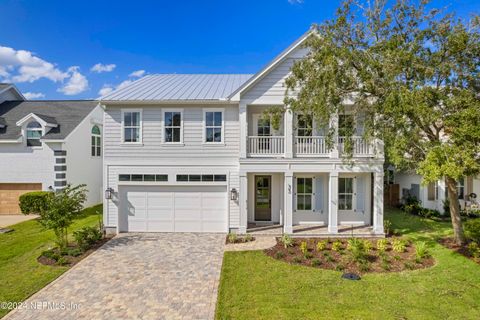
(334, 153)
(378, 203)
(243, 198)
(288, 207)
(333, 203)
(288, 134)
(243, 130)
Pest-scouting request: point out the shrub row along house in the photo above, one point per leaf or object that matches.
(44, 144)
(193, 153)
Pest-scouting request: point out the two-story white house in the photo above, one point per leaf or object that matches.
(192, 153)
(46, 144)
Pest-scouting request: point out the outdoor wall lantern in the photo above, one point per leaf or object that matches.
(50, 188)
(108, 193)
(234, 194)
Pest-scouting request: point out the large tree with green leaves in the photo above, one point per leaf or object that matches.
(413, 74)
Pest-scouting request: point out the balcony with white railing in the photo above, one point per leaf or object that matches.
(311, 147)
(265, 146)
(361, 147)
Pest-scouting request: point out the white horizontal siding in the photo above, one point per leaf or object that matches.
(153, 147)
(271, 88)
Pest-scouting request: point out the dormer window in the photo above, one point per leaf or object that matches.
(34, 133)
(96, 142)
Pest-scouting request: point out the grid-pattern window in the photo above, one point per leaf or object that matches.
(213, 126)
(201, 177)
(304, 125)
(96, 139)
(143, 177)
(34, 133)
(304, 193)
(131, 126)
(345, 193)
(173, 126)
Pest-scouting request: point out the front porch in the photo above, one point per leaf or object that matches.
(321, 204)
(311, 230)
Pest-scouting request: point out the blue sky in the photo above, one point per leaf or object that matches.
(49, 48)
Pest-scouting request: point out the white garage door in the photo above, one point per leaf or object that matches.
(175, 209)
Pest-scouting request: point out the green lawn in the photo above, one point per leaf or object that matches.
(255, 286)
(20, 273)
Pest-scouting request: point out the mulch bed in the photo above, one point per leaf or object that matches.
(71, 260)
(449, 243)
(342, 260)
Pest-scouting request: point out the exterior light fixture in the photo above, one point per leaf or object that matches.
(234, 194)
(50, 188)
(108, 193)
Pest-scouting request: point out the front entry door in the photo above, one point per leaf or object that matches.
(263, 198)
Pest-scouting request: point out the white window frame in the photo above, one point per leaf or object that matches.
(164, 127)
(353, 193)
(297, 124)
(95, 145)
(312, 195)
(205, 127)
(42, 132)
(140, 135)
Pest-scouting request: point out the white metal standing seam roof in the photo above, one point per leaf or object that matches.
(167, 87)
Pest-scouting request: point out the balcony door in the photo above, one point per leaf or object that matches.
(263, 198)
(263, 131)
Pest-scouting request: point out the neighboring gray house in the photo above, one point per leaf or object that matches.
(46, 144)
(191, 153)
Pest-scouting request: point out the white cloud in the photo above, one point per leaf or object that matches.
(106, 89)
(99, 68)
(27, 67)
(77, 83)
(137, 74)
(33, 95)
(295, 1)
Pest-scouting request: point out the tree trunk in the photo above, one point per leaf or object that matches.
(455, 211)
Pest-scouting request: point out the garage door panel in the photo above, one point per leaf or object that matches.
(177, 209)
(10, 194)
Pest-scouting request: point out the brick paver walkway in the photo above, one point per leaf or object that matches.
(137, 276)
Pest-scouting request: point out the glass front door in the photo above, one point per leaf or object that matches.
(263, 203)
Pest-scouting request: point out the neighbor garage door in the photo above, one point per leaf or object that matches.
(10, 192)
(174, 209)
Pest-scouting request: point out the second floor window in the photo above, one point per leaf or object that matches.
(263, 127)
(173, 126)
(131, 126)
(34, 133)
(96, 142)
(346, 125)
(213, 126)
(304, 125)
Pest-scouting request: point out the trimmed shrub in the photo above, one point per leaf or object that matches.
(472, 230)
(34, 202)
(87, 237)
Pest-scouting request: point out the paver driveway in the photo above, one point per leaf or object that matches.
(138, 276)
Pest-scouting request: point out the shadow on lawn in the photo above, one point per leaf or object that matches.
(417, 228)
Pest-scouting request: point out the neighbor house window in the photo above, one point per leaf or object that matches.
(213, 126)
(173, 126)
(304, 125)
(432, 191)
(96, 142)
(461, 188)
(34, 133)
(346, 125)
(304, 193)
(132, 130)
(345, 193)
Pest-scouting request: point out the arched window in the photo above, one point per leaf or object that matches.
(34, 133)
(96, 142)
